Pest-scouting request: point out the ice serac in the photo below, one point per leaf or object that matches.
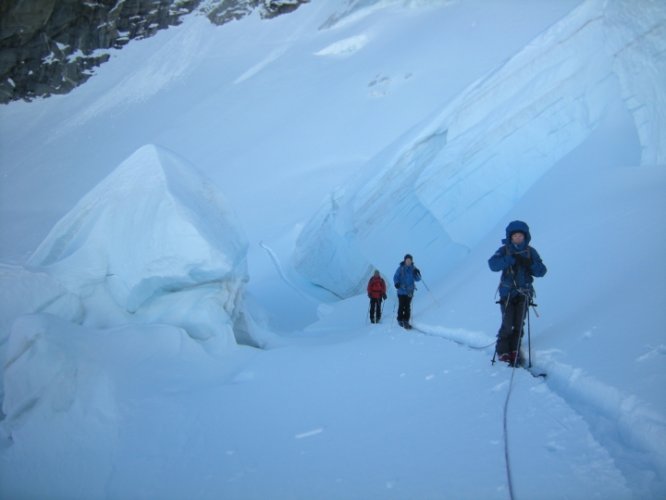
(636, 35)
(153, 242)
(443, 186)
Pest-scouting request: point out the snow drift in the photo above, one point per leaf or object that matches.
(465, 168)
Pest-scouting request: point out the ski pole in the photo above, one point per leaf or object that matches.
(432, 295)
(523, 312)
(534, 308)
(529, 339)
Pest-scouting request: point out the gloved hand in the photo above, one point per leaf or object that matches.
(523, 260)
(417, 273)
(397, 285)
(369, 296)
(384, 296)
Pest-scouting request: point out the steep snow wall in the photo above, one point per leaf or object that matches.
(635, 34)
(443, 186)
(151, 236)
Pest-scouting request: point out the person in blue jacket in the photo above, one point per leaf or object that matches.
(404, 280)
(519, 264)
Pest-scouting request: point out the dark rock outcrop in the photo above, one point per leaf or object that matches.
(52, 46)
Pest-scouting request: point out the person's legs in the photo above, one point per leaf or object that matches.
(518, 324)
(508, 337)
(505, 334)
(402, 304)
(408, 309)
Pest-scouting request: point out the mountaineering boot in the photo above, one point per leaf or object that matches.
(513, 358)
(509, 357)
(520, 360)
(406, 325)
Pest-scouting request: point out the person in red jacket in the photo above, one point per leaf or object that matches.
(376, 293)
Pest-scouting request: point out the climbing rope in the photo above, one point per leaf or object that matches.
(507, 458)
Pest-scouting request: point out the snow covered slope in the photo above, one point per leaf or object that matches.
(124, 376)
(443, 186)
(252, 100)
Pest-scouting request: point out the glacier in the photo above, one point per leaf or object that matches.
(128, 335)
(446, 183)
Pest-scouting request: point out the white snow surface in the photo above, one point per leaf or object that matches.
(186, 238)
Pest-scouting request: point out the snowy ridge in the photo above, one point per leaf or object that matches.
(471, 339)
(630, 428)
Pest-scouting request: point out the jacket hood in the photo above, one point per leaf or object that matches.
(515, 227)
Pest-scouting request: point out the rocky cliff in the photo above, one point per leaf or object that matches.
(51, 46)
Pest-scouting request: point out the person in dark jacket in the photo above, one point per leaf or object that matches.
(519, 264)
(405, 279)
(376, 293)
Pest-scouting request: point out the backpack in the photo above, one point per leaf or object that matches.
(376, 286)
